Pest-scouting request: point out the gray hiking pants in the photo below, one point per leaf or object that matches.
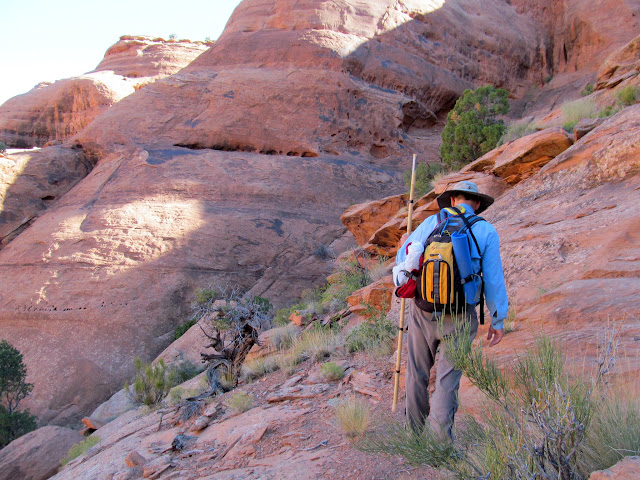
(424, 337)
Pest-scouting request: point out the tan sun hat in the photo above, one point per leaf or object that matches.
(465, 186)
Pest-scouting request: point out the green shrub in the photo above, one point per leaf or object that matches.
(425, 172)
(627, 95)
(587, 90)
(181, 372)
(353, 416)
(151, 383)
(349, 277)
(3, 148)
(282, 337)
(573, 112)
(80, 449)
(14, 425)
(13, 389)
(240, 401)
(540, 421)
(289, 361)
(472, 128)
(331, 371)
(374, 335)
(607, 111)
(518, 130)
(182, 329)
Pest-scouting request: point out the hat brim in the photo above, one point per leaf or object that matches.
(444, 199)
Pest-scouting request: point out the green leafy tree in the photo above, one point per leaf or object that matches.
(472, 128)
(425, 173)
(13, 388)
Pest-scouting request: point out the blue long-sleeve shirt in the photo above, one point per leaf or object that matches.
(495, 291)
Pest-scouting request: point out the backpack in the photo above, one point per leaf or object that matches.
(439, 286)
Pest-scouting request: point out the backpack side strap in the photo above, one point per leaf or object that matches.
(468, 224)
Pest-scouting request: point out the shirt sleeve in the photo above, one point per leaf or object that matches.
(495, 291)
(420, 234)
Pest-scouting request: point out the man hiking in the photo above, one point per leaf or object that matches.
(426, 329)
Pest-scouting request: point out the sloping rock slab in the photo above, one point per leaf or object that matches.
(298, 392)
(37, 455)
(365, 218)
(626, 469)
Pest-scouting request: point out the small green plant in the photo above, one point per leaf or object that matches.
(182, 329)
(548, 78)
(240, 401)
(332, 371)
(375, 334)
(172, 36)
(587, 90)
(3, 148)
(13, 389)
(607, 111)
(349, 277)
(151, 383)
(472, 127)
(80, 449)
(510, 321)
(518, 130)
(425, 172)
(573, 112)
(353, 416)
(627, 95)
(181, 372)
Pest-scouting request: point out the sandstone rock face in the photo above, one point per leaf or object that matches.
(626, 469)
(32, 181)
(55, 112)
(37, 455)
(364, 219)
(235, 170)
(621, 64)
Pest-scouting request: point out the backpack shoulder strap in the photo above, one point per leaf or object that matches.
(469, 222)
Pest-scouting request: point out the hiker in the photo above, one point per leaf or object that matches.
(426, 330)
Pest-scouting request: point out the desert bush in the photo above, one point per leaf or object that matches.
(315, 344)
(517, 130)
(289, 361)
(375, 334)
(472, 127)
(181, 372)
(151, 383)
(283, 337)
(240, 401)
(13, 389)
(425, 173)
(587, 90)
(348, 278)
(607, 111)
(573, 112)
(541, 421)
(3, 148)
(331, 371)
(627, 95)
(378, 268)
(80, 449)
(353, 416)
(258, 367)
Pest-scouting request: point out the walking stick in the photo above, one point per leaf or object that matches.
(396, 382)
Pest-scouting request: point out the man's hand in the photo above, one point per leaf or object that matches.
(494, 335)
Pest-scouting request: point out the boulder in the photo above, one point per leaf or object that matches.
(364, 219)
(377, 295)
(523, 157)
(621, 64)
(626, 469)
(37, 455)
(584, 126)
(119, 403)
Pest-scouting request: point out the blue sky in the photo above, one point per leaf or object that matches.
(45, 40)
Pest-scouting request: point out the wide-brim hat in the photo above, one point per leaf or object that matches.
(465, 186)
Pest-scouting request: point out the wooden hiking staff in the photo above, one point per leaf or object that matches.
(396, 381)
